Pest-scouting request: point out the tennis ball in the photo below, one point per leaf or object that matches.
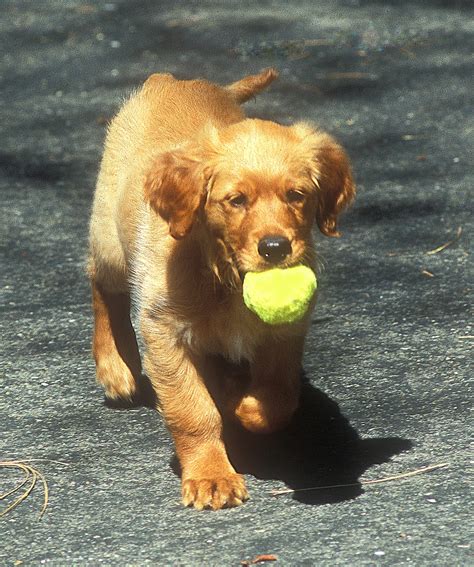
(279, 295)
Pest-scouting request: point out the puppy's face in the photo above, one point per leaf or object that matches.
(257, 187)
(262, 219)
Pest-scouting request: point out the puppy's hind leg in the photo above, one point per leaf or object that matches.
(115, 348)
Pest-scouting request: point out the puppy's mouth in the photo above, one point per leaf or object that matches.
(244, 261)
(260, 265)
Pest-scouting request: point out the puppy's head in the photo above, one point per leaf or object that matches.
(256, 188)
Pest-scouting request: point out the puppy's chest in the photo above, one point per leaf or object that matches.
(228, 331)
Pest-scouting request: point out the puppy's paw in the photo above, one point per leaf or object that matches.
(116, 378)
(214, 493)
(261, 415)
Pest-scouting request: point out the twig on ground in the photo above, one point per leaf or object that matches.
(259, 559)
(446, 244)
(376, 481)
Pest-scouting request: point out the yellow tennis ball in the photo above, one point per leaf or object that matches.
(280, 295)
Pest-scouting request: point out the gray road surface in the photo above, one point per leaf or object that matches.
(388, 356)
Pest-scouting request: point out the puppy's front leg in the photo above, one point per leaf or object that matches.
(208, 478)
(273, 394)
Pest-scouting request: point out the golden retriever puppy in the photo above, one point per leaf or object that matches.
(192, 195)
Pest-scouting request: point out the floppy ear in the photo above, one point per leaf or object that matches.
(336, 189)
(174, 187)
(330, 172)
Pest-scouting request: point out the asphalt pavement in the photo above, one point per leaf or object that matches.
(388, 361)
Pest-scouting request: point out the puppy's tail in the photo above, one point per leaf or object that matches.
(248, 87)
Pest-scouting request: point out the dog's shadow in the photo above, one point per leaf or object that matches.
(319, 448)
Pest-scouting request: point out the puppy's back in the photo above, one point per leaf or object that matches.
(166, 112)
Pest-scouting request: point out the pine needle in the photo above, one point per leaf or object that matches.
(446, 244)
(16, 488)
(32, 475)
(376, 481)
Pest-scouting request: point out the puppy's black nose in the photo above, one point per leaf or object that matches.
(274, 248)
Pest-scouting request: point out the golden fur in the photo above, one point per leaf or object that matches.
(187, 191)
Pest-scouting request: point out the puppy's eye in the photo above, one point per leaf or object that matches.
(238, 201)
(294, 196)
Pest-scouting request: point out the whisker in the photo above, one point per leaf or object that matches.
(321, 263)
